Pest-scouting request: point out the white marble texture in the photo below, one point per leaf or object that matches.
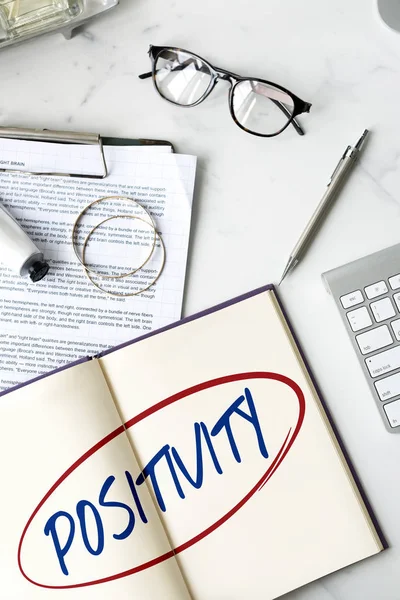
(254, 195)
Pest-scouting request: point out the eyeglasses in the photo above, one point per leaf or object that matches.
(257, 106)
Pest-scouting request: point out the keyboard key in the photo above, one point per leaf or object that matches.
(396, 298)
(376, 289)
(382, 309)
(384, 362)
(396, 328)
(394, 282)
(374, 340)
(359, 319)
(389, 387)
(392, 411)
(352, 299)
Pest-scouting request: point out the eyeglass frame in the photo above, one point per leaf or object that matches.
(299, 105)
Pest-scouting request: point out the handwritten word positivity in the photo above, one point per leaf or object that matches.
(64, 529)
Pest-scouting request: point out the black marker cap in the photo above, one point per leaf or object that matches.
(38, 270)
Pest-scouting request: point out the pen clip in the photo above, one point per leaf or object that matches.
(341, 159)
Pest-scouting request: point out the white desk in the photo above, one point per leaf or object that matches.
(254, 195)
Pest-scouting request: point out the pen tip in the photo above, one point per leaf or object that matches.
(361, 141)
(292, 262)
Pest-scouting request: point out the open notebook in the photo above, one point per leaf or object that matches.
(197, 462)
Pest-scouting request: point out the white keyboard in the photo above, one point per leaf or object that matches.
(367, 293)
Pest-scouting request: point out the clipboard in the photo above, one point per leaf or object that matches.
(74, 137)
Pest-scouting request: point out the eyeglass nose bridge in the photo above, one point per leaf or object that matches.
(221, 76)
(225, 76)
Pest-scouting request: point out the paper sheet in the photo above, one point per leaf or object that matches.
(251, 487)
(63, 317)
(69, 413)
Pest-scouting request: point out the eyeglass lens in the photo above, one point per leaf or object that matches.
(181, 78)
(260, 107)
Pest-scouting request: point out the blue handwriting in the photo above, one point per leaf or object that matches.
(167, 457)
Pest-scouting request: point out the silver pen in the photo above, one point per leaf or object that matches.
(335, 184)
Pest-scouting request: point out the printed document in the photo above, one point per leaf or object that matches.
(65, 317)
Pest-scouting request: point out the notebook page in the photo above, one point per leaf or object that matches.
(79, 535)
(245, 472)
(64, 317)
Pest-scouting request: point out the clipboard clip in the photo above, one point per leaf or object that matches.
(63, 137)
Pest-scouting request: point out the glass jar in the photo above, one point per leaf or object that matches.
(20, 18)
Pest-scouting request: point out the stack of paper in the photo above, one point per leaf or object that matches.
(64, 317)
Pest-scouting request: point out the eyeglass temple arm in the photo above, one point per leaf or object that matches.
(294, 121)
(281, 106)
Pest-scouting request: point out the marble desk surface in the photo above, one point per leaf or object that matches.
(254, 195)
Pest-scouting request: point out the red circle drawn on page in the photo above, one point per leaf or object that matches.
(284, 449)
